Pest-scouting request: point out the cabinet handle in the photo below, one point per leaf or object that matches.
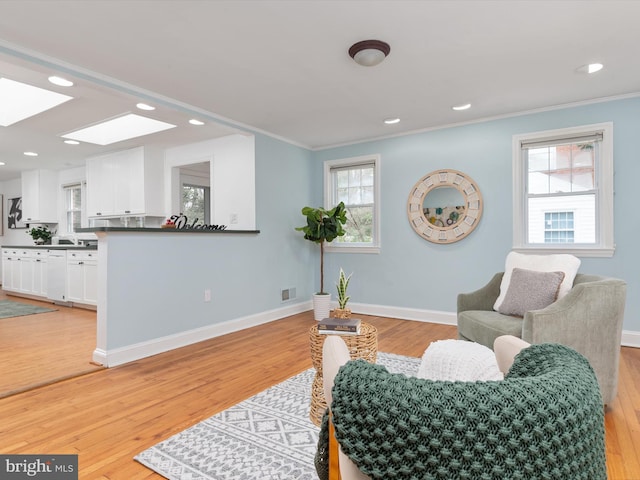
(98, 213)
(38, 260)
(80, 263)
(127, 211)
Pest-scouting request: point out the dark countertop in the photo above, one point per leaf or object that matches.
(161, 230)
(53, 247)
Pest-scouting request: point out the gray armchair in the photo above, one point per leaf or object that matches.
(587, 319)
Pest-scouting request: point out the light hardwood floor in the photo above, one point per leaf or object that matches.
(46, 347)
(109, 416)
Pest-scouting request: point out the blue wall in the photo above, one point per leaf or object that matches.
(411, 272)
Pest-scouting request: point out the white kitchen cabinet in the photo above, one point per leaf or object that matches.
(39, 196)
(129, 182)
(39, 285)
(24, 271)
(82, 278)
(10, 270)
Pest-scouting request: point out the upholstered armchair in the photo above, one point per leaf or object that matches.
(588, 319)
(544, 420)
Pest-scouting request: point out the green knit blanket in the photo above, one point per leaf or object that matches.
(545, 420)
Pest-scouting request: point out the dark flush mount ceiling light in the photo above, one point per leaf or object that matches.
(369, 52)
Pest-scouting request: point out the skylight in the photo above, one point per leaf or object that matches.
(20, 101)
(118, 129)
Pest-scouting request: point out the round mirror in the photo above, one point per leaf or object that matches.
(444, 206)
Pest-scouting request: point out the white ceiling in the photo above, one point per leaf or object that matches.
(282, 66)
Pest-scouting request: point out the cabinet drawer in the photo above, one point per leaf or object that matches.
(73, 255)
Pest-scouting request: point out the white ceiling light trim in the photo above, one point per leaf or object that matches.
(391, 121)
(464, 106)
(61, 82)
(590, 68)
(144, 106)
(118, 129)
(20, 101)
(194, 121)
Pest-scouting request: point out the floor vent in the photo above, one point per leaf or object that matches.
(288, 294)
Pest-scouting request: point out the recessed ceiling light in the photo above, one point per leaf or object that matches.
(20, 101)
(72, 142)
(144, 106)
(590, 68)
(464, 106)
(193, 121)
(391, 121)
(2, 163)
(118, 129)
(61, 82)
(30, 154)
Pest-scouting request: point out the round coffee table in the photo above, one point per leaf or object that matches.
(363, 345)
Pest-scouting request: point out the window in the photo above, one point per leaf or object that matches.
(558, 227)
(355, 181)
(563, 191)
(195, 203)
(73, 206)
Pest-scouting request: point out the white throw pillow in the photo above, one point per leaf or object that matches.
(459, 360)
(568, 264)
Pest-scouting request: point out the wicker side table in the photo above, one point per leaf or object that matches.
(364, 346)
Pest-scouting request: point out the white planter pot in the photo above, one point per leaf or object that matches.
(321, 306)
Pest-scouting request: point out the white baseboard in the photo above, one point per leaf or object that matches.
(130, 353)
(630, 339)
(118, 356)
(403, 313)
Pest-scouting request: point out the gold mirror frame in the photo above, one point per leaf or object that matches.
(472, 202)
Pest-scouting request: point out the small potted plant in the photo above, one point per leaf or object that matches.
(41, 235)
(343, 282)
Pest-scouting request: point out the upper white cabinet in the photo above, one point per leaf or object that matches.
(39, 196)
(129, 182)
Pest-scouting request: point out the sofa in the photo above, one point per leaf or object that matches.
(588, 319)
(545, 420)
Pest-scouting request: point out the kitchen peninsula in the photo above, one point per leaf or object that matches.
(164, 288)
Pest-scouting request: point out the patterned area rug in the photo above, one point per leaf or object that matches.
(266, 437)
(10, 308)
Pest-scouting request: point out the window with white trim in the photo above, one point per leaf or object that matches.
(73, 206)
(563, 191)
(355, 181)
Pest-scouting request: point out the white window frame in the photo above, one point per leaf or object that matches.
(83, 203)
(604, 246)
(329, 202)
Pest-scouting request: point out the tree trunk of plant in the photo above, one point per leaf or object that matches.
(321, 267)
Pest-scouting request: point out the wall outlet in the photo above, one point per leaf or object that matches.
(207, 295)
(233, 218)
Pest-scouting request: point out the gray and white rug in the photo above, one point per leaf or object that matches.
(266, 437)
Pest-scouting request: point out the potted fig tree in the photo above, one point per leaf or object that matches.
(323, 226)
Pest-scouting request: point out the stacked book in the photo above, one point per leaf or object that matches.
(339, 326)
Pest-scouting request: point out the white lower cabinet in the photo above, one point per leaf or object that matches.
(24, 271)
(82, 277)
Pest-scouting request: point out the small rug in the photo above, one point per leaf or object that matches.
(9, 308)
(266, 437)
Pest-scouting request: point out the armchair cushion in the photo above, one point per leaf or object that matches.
(568, 264)
(530, 290)
(452, 360)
